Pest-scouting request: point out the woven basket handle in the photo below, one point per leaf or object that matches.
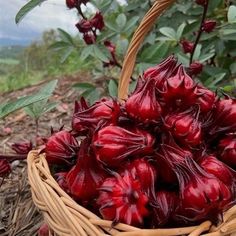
(145, 26)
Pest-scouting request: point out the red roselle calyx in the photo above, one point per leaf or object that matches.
(97, 21)
(179, 90)
(43, 230)
(103, 112)
(227, 153)
(209, 25)
(206, 98)
(217, 168)
(187, 46)
(142, 105)
(202, 195)
(144, 172)
(61, 148)
(163, 207)
(185, 127)
(22, 148)
(161, 71)
(71, 3)
(122, 200)
(113, 144)
(201, 2)
(84, 26)
(224, 116)
(195, 68)
(89, 38)
(84, 179)
(5, 168)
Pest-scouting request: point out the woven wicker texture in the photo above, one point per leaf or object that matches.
(67, 218)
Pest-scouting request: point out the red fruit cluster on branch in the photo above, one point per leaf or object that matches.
(157, 158)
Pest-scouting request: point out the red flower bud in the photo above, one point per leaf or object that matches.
(206, 98)
(84, 179)
(22, 148)
(71, 3)
(201, 2)
(89, 38)
(187, 46)
(143, 105)
(217, 168)
(177, 88)
(163, 206)
(84, 26)
(75, 3)
(224, 116)
(43, 230)
(209, 25)
(144, 172)
(227, 154)
(122, 200)
(161, 71)
(195, 68)
(113, 144)
(103, 112)
(61, 148)
(97, 21)
(112, 49)
(5, 168)
(185, 128)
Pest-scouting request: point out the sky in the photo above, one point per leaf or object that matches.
(51, 14)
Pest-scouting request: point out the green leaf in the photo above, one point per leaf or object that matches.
(180, 31)
(65, 36)
(66, 54)
(59, 45)
(86, 52)
(44, 93)
(113, 88)
(100, 54)
(131, 23)
(232, 14)
(26, 9)
(169, 32)
(37, 109)
(121, 21)
(83, 86)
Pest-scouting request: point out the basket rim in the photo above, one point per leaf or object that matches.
(45, 191)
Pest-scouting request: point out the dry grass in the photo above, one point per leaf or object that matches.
(18, 214)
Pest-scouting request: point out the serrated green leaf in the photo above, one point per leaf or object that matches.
(26, 9)
(112, 88)
(168, 32)
(232, 14)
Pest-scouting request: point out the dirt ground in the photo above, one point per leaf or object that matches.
(18, 215)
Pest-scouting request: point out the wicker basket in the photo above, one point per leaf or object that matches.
(65, 217)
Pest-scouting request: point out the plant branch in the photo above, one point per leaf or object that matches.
(199, 32)
(81, 13)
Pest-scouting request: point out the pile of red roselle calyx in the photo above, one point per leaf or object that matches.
(164, 157)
